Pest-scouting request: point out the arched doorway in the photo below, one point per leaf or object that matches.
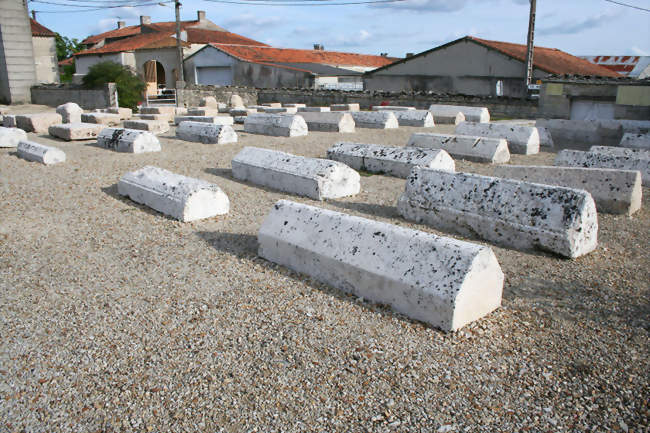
(154, 75)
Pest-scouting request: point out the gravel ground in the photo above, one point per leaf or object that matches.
(114, 317)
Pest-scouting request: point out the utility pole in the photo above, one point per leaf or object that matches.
(34, 15)
(529, 52)
(179, 47)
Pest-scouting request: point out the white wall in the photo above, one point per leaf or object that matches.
(168, 57)
(47, 67)
(210, 56)
(83, 63)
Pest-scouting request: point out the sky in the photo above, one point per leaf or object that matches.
(580, 27)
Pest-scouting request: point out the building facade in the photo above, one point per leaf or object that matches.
(45, 60)
(474, 66)
(17, 69)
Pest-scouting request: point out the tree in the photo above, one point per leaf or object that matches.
(130, 86)
(66, 47)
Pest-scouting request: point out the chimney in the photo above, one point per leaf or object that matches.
(145, 19)
(121, 24)
(409, 55)
(34, 15)
(200, 16)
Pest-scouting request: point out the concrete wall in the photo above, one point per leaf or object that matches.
(210, 56)
(46, 63)
(55, 95)
(17, 71)
(465, 67)
(83, 63)
(262, 76)
(629, 100)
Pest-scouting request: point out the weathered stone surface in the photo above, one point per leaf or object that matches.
(236, 102)
(635, 141)
(70, 112)
(242, 111)
(395, 161)
(182, 111)
(169, 110)
(480, 149)
(9, 121)
(123, 112)
(521, 139)
(391, 108)
(208, 133)
(441, 281)
(420, 118)
(47, 155)
(621, 151)
(203, 112)
(239, 119)
(158, 117)
(109, 119)
(278, 125)
(310, 177)
(75, 131)
(614, 191)
(576, 158)
(10, 137)
(447, 118)
(258, 108)
(295, 105)
(508, 212)
(472, 114)
(211, 102)
(128, 140)
(344, 107)
(329, 121)
(314, 109)
(592, 132)
(38, 122)
(278, 110)
(272, 105)
(180, 197)
(374, 119)
(219, 120)
(153, 126)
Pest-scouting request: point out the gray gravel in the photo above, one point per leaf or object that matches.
(116, 318)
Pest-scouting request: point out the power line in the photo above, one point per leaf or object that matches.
(628, 5)
(90, 10)
(312, 2)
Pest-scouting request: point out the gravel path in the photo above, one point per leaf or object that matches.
(116, 318)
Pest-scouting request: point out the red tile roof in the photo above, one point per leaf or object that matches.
(40, 30)
(291, 55)
(136, 30)
(139, 42)
(548, 59)
(203, 36)
(68, 61)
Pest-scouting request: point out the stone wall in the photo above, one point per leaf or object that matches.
(191, 95)
(57, 94)
(499, 107)
(45, 61)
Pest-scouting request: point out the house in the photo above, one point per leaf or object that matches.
(151, 49)
(269, 67)
(474, 66)
(588, 98)
(45, 60)
(628, 66)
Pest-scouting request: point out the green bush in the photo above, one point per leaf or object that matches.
(130, 86)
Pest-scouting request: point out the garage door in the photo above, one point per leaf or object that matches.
(215, 75)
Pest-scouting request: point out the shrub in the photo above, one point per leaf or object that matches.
(130, 86)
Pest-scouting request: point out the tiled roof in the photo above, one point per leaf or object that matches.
(68, 61)
(40, 30)
(548, 59)
(136, 30)
(139, 42)
(203, 36)
(624, 65)
(290, 55)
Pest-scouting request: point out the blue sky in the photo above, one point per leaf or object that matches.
(580, 27)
